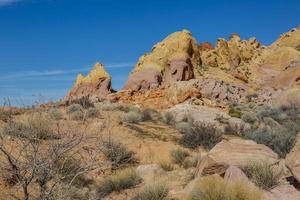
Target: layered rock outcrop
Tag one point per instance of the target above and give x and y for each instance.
(96, 85)
(176, 58)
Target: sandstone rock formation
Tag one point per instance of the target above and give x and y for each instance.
(176, 58)
(234, 152)
(293, 160)
(282, 192)
(96, 85)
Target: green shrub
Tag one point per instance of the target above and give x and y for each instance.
(123, 180)
(74, 108)
(205, 135)
(178, 156)
(77, 115)
(262, 174)
(216, 188)
(132, 117)
(235, 112)
(249, 117)
(117, 153)
(155, 191)
(149, 114)
(55, 114)
(92, 113)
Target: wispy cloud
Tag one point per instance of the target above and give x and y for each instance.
(57, 72)
(8, 2)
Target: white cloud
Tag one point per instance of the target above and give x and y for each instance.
(56, 72)
(8, 2)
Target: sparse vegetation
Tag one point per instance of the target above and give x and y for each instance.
(166, 165)
(190, 162)
(84, 102)
(55, 114)
(168, 118)
(216, 188)
(149, 114)
(155, 191)
(277, 128)
(92, 112)
(235, 112)
(132, 117)
(117, 153)
(205, 135)
(77, 115)
(178, 156)
(262, 174)
(123, 180)
(74, 108)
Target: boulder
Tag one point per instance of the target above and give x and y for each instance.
(282, 192)
(96, 85)
(234, 152)
(149, 172)
(293, 160)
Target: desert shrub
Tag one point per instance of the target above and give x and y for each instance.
(190, 162)
(249, 117)
(108, 106)
(117, 153)
(205, 135)
(178, 156)
(92, 112)
(262, 174)
(132, 117)
(36, 126)
(149, 114)
(123, 180)
(55, 114)
(168, 118)
(77, 115)
(154, 191)
(184, 127)
(235, 112)
(167, 166)
(216, 188)
(84, 102)
(279, 139)
(74, 108)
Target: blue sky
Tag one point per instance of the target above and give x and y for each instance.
(45, 43)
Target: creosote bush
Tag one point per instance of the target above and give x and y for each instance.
(178, 156)
(262, 174)
(216, 188)
(125, 179)
(154, 191)
(205, 135)
(117, 153)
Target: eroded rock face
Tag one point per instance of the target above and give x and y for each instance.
(176, 58)
(96, 85)
(282, 192)
(144, 80)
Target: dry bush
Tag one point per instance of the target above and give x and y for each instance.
(190, 162)
(74, 108)
(216, 188)
(167, 166)
(84, 102)
(150, 114)
(92, 112)
(108, 106)
(117, 153)
(123, 180)
(153, 191)
(201, 135)
(262, 174)
(178, 156)
(77, 115)
(168, 118)
(55, 114)
(45, 166)
(132, 117)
